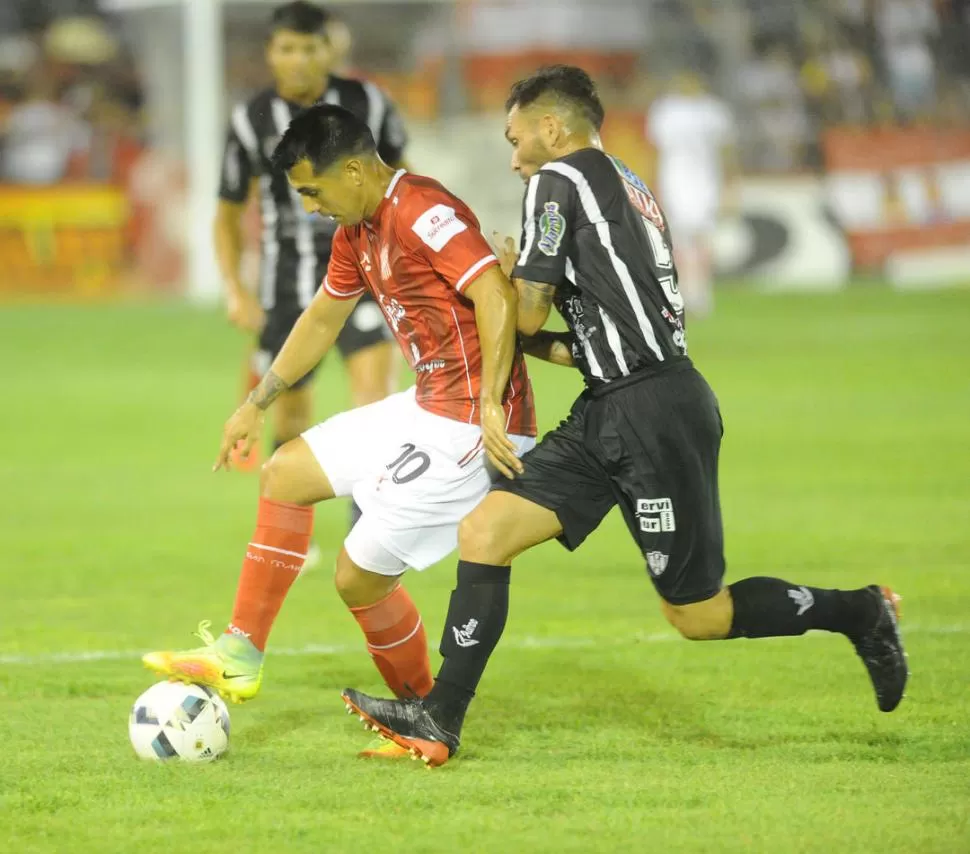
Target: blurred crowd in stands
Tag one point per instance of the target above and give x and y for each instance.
(72, 104)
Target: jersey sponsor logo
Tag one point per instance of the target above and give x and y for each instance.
(639, 194)
(437, 225)
(407, 336)
(365, 262)
(679, 333)
(656, 515)
(552, 227)
(428, 367)
(573, 309)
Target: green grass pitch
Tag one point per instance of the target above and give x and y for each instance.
(846, 460)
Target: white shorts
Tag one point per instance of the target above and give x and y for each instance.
(414, 475)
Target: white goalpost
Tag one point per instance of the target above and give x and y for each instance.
(180, 47)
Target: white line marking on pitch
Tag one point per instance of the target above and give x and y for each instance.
(522, 643)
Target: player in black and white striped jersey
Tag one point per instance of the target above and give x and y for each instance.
(645, 435)
(295, 246)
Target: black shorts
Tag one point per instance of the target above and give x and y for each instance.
(364, 328)
(649, 444)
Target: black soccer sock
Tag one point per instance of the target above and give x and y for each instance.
(476, 618)
(770, 607)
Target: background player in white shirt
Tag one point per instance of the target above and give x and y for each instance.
(693, 132)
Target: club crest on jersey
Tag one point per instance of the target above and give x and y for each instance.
(552, 227)
(657, 563)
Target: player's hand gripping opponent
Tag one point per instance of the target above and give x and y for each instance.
(498, 445)
(245, 426)
(506, 252)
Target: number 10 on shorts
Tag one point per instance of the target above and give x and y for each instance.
(656, 515)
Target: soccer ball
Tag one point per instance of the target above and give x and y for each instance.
(175, 721)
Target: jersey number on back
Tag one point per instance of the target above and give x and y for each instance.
(652, 220)
(649, 212)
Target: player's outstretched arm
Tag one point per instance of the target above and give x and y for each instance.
(535, 301)
(242, 307)
(555, 347)
(495, 313)
(312, 336)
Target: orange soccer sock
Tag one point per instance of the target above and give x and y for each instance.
(397, 643)
(273, 562)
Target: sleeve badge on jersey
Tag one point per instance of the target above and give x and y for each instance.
(437, 225)
(552, 226)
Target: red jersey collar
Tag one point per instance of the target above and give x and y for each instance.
(387, 195)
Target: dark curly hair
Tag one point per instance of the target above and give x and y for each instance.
(564, 84)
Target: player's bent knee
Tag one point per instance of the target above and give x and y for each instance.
(293, 414)
(479, 541)
(272, 477)
(358, 587)
(706, 620)
(293, 475)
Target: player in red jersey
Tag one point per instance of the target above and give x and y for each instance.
(416, 462)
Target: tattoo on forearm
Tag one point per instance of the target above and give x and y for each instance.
(535, 296)
(270, 388)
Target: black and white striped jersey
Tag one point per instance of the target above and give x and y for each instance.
(592, 228)
(295, 246)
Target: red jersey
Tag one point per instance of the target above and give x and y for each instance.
(420, 249)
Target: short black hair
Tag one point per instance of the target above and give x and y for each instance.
(565, 84)
(300, 17)
(322, 134)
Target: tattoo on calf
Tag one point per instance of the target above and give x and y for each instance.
(270, 387)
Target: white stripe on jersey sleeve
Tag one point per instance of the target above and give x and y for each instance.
(244, 130)
(471, 271)
(593, 213)
(340, 294)
(376, 109)
(530, 220)
(306, 271)
(271, 247)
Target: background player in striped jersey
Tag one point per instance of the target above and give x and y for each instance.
(294, 246)
(416, 462)
(645, 435)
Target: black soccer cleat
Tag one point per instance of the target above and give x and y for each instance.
(881, 650)
(405, 722)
